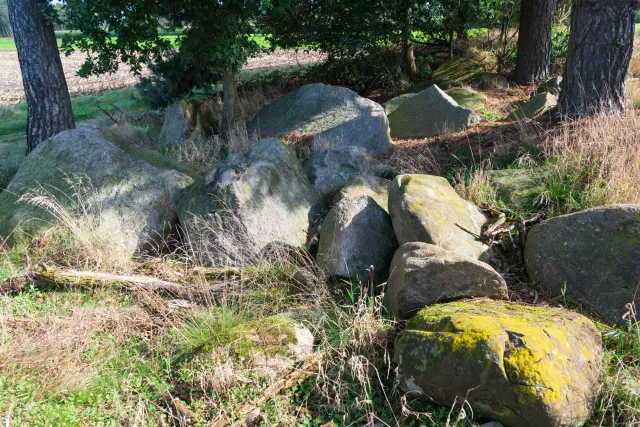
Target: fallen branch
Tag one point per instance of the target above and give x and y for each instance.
(48, 276)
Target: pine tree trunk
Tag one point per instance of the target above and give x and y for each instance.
(45, 87)
(600, 48)
(231, 107)
(534, 41)
(408, 58)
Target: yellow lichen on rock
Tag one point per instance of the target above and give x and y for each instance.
(521, 365)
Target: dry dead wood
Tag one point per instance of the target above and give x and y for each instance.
(45, 276)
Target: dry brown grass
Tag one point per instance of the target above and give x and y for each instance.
(604, 151)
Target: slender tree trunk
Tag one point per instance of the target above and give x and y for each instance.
(48, 102)
(408, 58)
(534, 41)
(600, 47)
(231, 107)
(452, 35)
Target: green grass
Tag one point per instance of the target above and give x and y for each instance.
(14, 119)
(9, 43)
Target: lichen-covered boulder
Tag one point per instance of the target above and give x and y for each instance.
(486, 80)
(357, 234)
(336, 116)
(127, 198)
(467, 98)
(442, 84)
(262, 198)
(590, 256)
(391, 105)
(462, 69)
(536, 106)
(428, 113)
(424, 274)
(551, 85)
(519, 188)
(522, 366)
(175, 127)
(372, 186)
(427, 209)
(330, 169)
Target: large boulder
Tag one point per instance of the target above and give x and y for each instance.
(11, 156)
(175, 127)
(551, 85)
(372, 186)
(426, 208)
(442, 84)
(467, 98)
(428, 113)
(462, 69)
(262, 198)
(424, 274)
(522, 366)
(391, 105)
(590, 256)
(357, 234)
(336, 116)
(536, 106)
(330, 169)
(127, 197)
(486, 80)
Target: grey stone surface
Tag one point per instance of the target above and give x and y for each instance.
(551, 85)
(372, 186)
(175, 127)
(336, 116)
(592, 254)
(427, 209)
(428, 113)
(424, 274)
(357, 234)
(536, 106)
(265, 196)
(127, 199)
(330, 169)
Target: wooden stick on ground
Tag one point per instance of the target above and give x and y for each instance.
(49, 276)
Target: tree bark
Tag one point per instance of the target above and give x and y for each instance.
(231, 107)
(600, 48)
(408, 58)
(534, 41)
(48, 102)
(452, 35)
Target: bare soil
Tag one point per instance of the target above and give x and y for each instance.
(11, 90)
